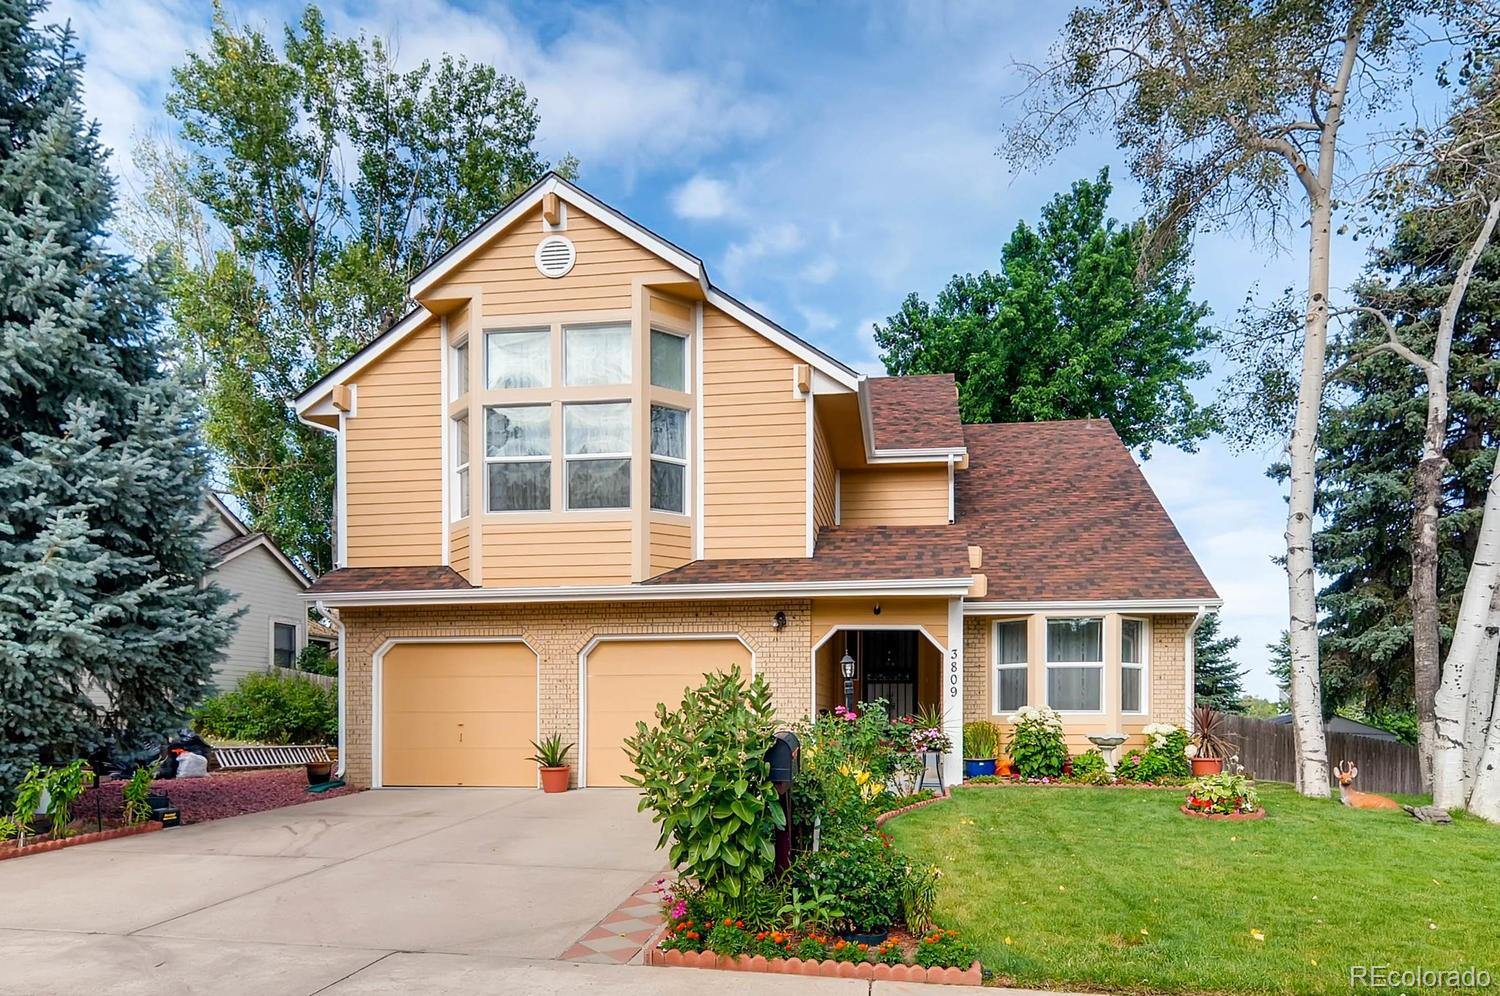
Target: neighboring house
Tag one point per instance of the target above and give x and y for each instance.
(579, 474)
(1342, 724)
(272, 629)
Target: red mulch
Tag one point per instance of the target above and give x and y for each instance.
(221, 794)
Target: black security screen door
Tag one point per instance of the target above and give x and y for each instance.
(890, 670)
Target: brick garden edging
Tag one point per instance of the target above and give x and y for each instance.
(971, 976)
(1259, 814)
(83, 838)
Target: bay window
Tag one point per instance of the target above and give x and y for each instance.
(1133, 665)
(668, 361)
(518, 458)
(596, 444)
(1075, 664)
(459, 362)
(1010, 666)
(518, 359)
(461, 465)
(596, 354)
(668, 459)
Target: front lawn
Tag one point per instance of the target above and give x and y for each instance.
(1115, 889)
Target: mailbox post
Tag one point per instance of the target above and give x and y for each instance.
(784, 757)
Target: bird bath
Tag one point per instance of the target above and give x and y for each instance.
(1107, 743)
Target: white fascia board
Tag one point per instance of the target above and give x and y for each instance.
(1158, 605)
(656, 592)
(227, 514)
(820, 363)
(275, 551)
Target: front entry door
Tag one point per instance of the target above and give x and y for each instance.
(890, 670)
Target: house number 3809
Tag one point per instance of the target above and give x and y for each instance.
(953, 673)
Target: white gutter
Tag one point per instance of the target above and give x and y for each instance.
(1190, 657)
(338, 625)
(1201, 605)
(949, 587)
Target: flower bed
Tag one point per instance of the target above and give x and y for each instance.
(873, 971)
(1257, 814)
(8, 850)
(219, 795)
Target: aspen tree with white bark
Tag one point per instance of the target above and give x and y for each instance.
(1231, 113)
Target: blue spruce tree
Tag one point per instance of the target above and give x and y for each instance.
(105, 623)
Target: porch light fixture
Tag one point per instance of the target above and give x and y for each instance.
(846, 665)
(778, 621)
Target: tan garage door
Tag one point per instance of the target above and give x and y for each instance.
(458, 714)
(627, 678)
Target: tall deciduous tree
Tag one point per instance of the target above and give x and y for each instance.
(1065, 329)
(1217, 676)
(1232, 112)
(101, 471)
(317, 179)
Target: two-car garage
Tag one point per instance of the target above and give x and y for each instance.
(465, 712)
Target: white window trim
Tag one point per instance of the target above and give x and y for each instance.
(687, 381)
(1144, 666)
(299, 639)
(629, 329)
(687, 470)
(567, 458)
(1049, 664)
(484, 370)
(490, 461)
(458, 429)
(996, 667)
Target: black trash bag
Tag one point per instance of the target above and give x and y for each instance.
(120, 758)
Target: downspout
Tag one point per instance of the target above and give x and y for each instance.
(1190, 655)
(338, 625)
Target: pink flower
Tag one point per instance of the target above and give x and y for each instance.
(679, 910)
(839, 710)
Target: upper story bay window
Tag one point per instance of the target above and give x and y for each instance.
(1133, 665)
(596, 354)
(1075, 664)
(668, 360)
(515, 359)
(460, 428)
(668, 459)
(596, 444)
(518, 458)
(1010, 666)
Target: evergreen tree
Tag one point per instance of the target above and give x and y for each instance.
(101, 469)
(1216, 675)
(1067, 329)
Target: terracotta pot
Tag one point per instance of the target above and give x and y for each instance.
(1207, 766)
(318, 772)
(555, 779)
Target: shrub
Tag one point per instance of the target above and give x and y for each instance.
(1088, 766)
(865, 875)
(1036, 744)
(1172, 745)
(315, 659)
(945, 949)
(847, 763)
(981, 740)
(270, 710)
(702, 771)
(136, 808)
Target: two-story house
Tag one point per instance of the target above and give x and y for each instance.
(578, 475)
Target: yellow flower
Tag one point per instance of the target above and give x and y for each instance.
(1008, 941)
(1145, 932)
(1257, 934)
(862, 777)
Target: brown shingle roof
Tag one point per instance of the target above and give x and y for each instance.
(848, 553)
(224, 549)
(351, 579)
(1062, 512)
(915, 413)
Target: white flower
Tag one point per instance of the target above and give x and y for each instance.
(1191, 750)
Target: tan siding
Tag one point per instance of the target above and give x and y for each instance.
(458, 323)
(601, 279)
(458, 548)
(894, 497)
(670, 310)
(393, 458)
(556, 552)
(671, 545)
(929, 613)
(823, 477)
(755, 445)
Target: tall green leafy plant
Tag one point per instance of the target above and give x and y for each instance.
(136, 794)
(702, 772)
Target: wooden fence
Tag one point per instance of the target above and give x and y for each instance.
(1267, 752)
(292, 674)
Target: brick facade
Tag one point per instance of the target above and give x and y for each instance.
(558, 632)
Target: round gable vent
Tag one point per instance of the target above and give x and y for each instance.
(555, 256)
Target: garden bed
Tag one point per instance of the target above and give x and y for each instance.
(971, 976)
(217, 796)
(46, 842)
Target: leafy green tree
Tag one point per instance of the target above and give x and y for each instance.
(316, 180)
(1217, 676)
(101, 468)
(1067, 329)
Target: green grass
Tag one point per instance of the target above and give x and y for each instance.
(1116, 889)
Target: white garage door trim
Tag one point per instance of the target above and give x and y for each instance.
(583, 679)
(377, 693)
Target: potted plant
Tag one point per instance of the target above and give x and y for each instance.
(552, 757)
(981, 743)
(1210, 745)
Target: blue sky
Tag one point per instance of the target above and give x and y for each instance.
(824, 158)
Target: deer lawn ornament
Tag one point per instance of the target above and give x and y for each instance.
(1359, 800)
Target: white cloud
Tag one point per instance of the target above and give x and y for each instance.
(702, 198)
(816, 321)
(820, 270)
(769, 240)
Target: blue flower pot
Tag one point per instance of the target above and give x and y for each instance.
(974, 767)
